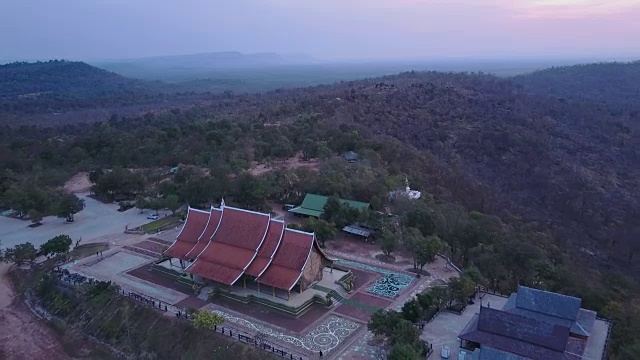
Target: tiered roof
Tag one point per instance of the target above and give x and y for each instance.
(289, 261)
(205, 237)
(188, 237)
(233, 246)
(234, 241)
(268, 248)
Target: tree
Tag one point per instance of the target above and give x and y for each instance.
(423, 250)
(141, 203)
(155, 205)
(35, 216)
(331, 208)
(95, 175)
(67, 206)
(172, 202)
(324, 230)
(402, 352)
(460, 289)
(421, 219)
(387, 242)
(382, 322)
(21, 253)
(412, 311)
(203, 319)
(58, 245)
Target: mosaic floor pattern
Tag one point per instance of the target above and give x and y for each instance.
(324, 337)
(390, 285)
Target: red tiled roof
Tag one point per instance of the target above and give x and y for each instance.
(242, 228)
(233, 246)
(287, 265)
(203, 240)
(194, 225)
(268, 248)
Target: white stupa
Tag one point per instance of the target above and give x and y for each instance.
(407, 193)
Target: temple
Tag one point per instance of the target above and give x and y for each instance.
(238, 250)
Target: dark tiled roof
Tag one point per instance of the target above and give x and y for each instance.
(289, 260)
(268, 248)
(517, 334)
(203, 240)
(194, 225)
(489, 353)
(545, 302)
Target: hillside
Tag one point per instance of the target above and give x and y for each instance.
(556, 179)
(613, 84)
(36, 92)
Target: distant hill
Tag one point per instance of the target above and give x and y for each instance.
(76, 91)
(70, 78)
(198, 66)
(616, 84)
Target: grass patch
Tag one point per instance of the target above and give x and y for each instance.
(82, 251)
(165, 222)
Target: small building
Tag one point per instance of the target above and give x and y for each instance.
(357, 231)
(350, 156)
(313, 205)
(534, 324)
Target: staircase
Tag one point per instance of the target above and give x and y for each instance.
(339, 295)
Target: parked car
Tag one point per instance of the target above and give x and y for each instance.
(153, 216)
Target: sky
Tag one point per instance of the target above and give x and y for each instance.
(324, 29)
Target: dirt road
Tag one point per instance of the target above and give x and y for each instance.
(22, 335)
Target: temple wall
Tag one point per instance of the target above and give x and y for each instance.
(313, 270)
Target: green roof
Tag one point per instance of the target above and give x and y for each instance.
(302, 211)
(313, 205)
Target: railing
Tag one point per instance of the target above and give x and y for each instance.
(608, 339)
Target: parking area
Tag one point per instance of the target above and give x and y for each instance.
(446, 326)
(94, 221)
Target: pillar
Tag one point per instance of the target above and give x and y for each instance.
(244, 282)
(171, 261)
(273, 289)
(258, 286)
(300, 287)
(288, 295)
(331, 271)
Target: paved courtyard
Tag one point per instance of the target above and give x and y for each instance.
(446, 326)
(94, 221)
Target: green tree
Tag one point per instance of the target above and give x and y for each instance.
(422, 220)
(423, 250)
(58, 245)
(324, 230)
(172, 202)
(203, 319)
(35, 216)
(460, 289)
(412, 311)
(67, 206)
(155, 204)
(141, 203)
(382, 322)
(21, 253)
(402, 352)
(387, 241)
(331, 208)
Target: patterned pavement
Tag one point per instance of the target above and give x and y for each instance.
(390, 285)
(325, 337)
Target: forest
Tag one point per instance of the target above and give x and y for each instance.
(524, 185)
